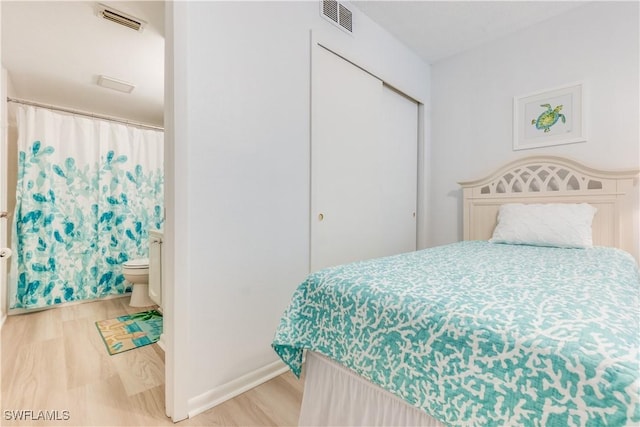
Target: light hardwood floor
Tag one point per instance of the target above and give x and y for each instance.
(55, 360)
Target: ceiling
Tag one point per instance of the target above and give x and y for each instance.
(438, 29)
(54, 51)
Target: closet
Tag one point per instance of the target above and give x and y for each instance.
(364, 144)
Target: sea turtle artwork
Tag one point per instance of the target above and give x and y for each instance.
(548, 117)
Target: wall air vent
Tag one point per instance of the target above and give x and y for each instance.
(124, 19)
(345, 19)
(336, 13)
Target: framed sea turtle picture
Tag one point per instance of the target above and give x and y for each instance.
(550, 117)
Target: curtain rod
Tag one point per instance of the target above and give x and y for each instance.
(83, 113)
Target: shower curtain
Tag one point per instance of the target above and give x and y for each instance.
(88, 192)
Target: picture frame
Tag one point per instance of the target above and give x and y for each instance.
(549, 117)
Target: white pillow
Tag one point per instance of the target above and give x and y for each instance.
(554, 224)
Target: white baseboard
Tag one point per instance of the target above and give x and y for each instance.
(161, 342)
(220, 394)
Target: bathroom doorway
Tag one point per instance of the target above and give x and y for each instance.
(77, 56)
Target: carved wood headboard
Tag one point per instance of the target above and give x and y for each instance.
(550, 179)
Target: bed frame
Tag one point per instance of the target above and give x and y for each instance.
(549, 179)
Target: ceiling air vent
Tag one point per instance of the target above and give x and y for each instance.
(337, 14)
(124, 19)
(115, 84)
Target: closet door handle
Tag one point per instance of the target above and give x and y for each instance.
(4, 214)
(5, 253)
(320, 216)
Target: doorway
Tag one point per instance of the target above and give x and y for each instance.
(73, 62)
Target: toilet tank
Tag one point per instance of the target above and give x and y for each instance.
(155, 266)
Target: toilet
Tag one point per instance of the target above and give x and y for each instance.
(136, 272)
(145, 274)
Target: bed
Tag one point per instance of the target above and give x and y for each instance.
(516, 325)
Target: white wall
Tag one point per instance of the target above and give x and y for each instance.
(4, 232)
(241, 175)
(472, 95)
(8, 180)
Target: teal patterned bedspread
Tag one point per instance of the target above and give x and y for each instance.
(475, 333)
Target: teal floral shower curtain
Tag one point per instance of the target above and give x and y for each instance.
(88, 192)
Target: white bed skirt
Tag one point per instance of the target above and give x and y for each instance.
(335, 396)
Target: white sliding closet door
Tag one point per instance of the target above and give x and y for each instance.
(363, 165)
(399, 188)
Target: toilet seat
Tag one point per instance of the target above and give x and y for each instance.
(136, 264)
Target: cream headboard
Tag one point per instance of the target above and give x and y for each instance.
(549, 179)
